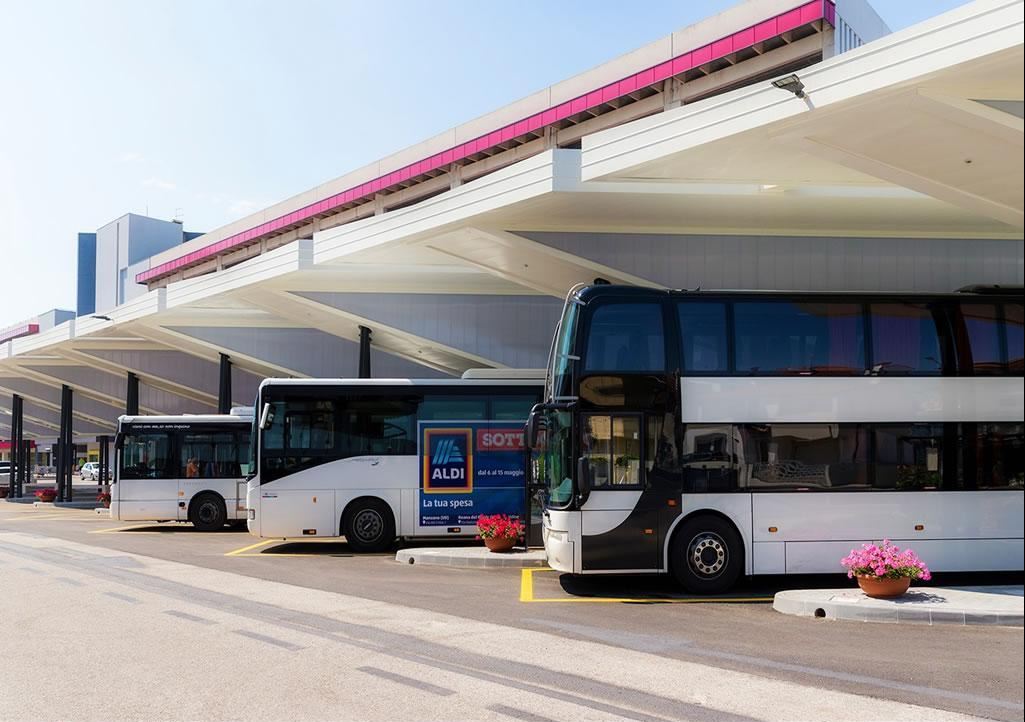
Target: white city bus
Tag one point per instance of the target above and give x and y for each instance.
(182, 468)
(714, 434)
(377, 459)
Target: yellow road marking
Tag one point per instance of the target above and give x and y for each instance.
(257, 545)
(527, 595)
(247, 550)
(125, 528)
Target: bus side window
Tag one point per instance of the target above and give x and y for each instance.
(1014, 327)
(146, 456)
(708, 459)
(454, 408)
(612, 446)
(626, 337)
(703, 331)
(512, 408)
(905, 339)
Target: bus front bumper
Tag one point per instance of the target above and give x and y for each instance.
(557, 533)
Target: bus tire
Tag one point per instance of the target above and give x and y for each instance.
(207, 512)
(368, 525)
(706, 555)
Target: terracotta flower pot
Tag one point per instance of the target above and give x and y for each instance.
(883, 588)
(504, 544)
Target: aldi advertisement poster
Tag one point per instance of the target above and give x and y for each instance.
(468, 469)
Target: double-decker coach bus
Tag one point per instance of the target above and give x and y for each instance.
(377, 459)
(713, 434)
(182, 468)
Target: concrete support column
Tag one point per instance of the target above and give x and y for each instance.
(132, 395)
(224, 386)
(66, 455)
(15, 480)
(364, 352)
(104, 477)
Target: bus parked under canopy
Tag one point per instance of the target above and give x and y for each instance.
(713, 434)
(376, 459)
(182, 468)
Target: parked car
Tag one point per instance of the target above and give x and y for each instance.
(90, 471)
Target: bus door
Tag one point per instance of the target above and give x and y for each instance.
(147, 487)
(620, 514)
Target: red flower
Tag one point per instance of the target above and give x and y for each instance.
(499, 526)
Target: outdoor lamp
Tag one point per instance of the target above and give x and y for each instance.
(792, 83)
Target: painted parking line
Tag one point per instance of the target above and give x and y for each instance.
(243, 550)
(126, 528)
(527, 596)
(251, 550)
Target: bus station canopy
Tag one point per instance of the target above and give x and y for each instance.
(917, 135)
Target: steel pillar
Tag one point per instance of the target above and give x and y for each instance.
(67, 446)
(17, 446)
(132, 395)
(364, 352)
(224, 386)
(104, 478)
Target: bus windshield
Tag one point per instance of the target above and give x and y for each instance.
(560, 368)
(555, 457)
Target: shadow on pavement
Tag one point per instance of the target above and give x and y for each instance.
(652, 588)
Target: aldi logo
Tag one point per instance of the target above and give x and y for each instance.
(448, 463)
(447, 452)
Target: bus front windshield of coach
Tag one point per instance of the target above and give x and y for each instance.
(554, 460)
(559, 379)
(553, 452)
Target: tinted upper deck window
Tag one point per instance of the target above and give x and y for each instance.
(793, 337)
(905, 339)
(626, 337)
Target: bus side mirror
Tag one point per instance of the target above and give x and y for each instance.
(266, 416)
(583, 477)
(533, 425)
(119, 442)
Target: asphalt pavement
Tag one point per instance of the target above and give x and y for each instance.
(160, 621)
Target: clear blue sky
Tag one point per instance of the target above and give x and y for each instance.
(222, 108)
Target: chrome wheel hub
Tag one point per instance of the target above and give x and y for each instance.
(707, 554)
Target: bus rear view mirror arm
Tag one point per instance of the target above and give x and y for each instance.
(534, 423)
(266, 417)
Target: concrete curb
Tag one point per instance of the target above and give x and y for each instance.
(472, 557)
(64, 504)
(993, 606)
(52, 504)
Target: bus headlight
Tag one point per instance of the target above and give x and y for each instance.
(252, 514)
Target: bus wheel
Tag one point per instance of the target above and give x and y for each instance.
(207, 512)
(706, 555)
(368, 525)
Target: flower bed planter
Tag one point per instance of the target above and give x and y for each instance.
(46, 495)
(884, 572)
(499, 532)
(883, 588)
(500, 545)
